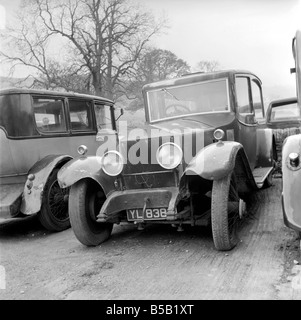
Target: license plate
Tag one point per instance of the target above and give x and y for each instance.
(150, 214)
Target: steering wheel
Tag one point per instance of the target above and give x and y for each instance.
(176, 108)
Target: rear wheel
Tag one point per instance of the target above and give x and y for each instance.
(85, 201)
(54, 211)
(226, 208)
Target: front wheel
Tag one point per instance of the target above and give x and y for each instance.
(225, 213)
(85, 201)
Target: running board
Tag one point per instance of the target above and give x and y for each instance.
(260, 174)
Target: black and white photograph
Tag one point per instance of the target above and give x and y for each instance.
(150, 152)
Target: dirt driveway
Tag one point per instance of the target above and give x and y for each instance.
(156, 263)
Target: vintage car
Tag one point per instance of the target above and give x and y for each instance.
(291, 157)
(283, 116)
(201, 157)
(39, 132)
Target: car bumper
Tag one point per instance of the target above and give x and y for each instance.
(139, 199)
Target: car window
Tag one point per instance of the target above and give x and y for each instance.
(80, 115)
(19, 108)
(286, 112)
(257, 101)
(49, 115)
(103, 116)
(243, 95)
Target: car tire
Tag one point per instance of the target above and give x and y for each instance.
(54, 214)
(225, 213)
(85, 201)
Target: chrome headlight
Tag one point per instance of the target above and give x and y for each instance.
(112, 163)
(169, 155)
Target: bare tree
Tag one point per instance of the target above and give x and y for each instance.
(208, 66)
(104, 40)
(154, 65)
(26, 45)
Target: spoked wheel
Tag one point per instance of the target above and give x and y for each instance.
(54, 211)
(226, 211)
(85, 201)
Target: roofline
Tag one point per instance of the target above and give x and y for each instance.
(15, 90)
(198, 76)
(290, 99)
(282, 101)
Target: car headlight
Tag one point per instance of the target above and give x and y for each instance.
(112, 163)
(169, 155)
(293, 161)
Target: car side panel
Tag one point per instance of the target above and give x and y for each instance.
(291, 199)
(27, 152)
(266, 147)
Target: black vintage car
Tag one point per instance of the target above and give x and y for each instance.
(203, 152)
(283, 116)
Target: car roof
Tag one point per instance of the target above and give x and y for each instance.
(52, 93)
(283, 101)
(197, 77)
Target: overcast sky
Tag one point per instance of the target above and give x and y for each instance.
(255, 35)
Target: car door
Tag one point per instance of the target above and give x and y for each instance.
(91, 124)
(107, 137)
(82, 125)
(246, 120)
(47, 132)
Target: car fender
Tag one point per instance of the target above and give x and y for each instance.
(217, 160)
(214, 161)
(291, 184)
(266, 147)
(82, 168)
(36, 180)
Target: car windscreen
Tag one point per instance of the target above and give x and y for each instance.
(195, 98)
(286, 112)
